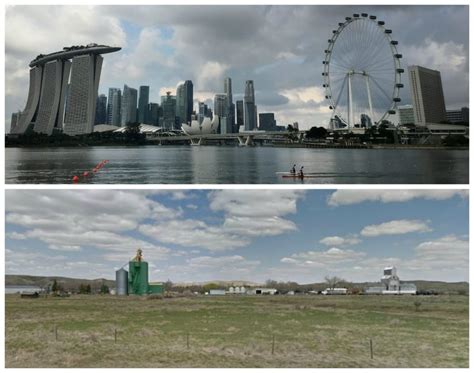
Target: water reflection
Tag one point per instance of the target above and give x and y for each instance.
(235, 165)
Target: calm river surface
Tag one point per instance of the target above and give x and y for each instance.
(234, 165)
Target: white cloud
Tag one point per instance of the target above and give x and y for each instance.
(340, 241)
(395, 227)
(255, 203)
(193, 233)
(324, 259)
(16, 236)
(211, 72)
(350, 197)
(247, 214)
(70, 220)
(258, 226)
(444, 56)
(283, 48)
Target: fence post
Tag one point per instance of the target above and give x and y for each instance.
(371, 349)
(56, 332)
(273, 344)
(115, 335)
(187, 340)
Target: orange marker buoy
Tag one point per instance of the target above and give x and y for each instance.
(75, 179)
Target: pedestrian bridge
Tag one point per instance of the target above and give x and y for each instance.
(246, 138)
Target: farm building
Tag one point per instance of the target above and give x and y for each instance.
(237, 290)
(334, 291)
(135, 280)
(262, 291)
(217, 292)
(391, 284)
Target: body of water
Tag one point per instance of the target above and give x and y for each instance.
(11, 289)
(234, 165)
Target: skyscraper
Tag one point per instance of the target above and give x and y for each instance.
(101, 110)
(427, 95)
(220, 111)
(168, 106)
(71, 75)
(250, 112)
(152, 115)
(203, 112)
(128, 106)
(184, 101)
(229, 104)
(143, 103)
(267, 122)
(240, 114)
(220, 104)
(113, 106)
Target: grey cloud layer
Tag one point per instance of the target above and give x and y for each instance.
(280, 47)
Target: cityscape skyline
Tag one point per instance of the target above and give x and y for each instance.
(253, 235)
(304, 104)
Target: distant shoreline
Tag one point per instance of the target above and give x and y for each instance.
(277, 145)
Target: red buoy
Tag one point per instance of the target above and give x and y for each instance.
(75, 179)
(85, 174)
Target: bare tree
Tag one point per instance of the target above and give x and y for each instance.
(333, 281)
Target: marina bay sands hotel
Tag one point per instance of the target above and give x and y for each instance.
(63, 91)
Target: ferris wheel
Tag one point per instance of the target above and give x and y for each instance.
(362, 72)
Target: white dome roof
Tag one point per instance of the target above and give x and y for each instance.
(205, 128)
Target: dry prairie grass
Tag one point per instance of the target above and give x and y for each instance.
(309, 331)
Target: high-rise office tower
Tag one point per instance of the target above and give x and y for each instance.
(267, 122)
(184, 101)
(427, 95)
(240, 114)
(180, 106)
(101, 110)
(152, 115)
(220, 104)
(128, 106)
(250, 112)
(71, 75)
(202, 112)
(143, 103)
(113, 106)
(229, 104)
(188, 107)
(168, 106)
(220, 111)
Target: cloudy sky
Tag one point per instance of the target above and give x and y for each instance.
(253, 235)
(280, 47)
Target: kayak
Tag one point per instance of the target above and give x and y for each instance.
(299, 177)
(292, 174)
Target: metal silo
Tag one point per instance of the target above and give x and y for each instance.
(121, 281)
(138, 277)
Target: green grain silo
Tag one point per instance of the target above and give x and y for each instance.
(138, 277)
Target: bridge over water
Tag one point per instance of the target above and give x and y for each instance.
(247, 138)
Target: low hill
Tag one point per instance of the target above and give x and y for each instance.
(65, 282)
(73, 284)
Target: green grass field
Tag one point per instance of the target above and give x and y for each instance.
(233, 331)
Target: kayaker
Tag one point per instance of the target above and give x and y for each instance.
(293, 170)
(301, 172)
